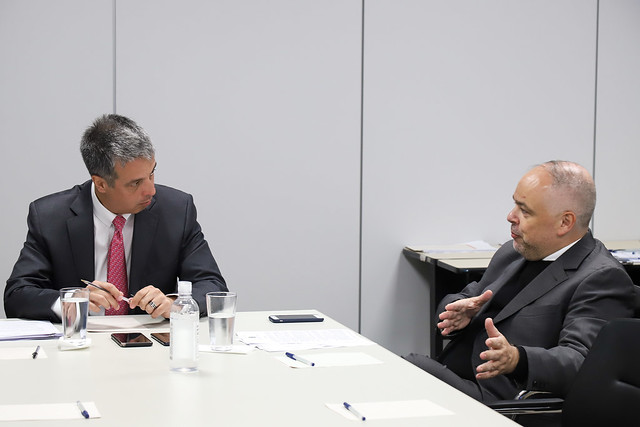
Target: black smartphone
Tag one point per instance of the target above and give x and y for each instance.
(162, 338)
(135, 339)
(295, 318)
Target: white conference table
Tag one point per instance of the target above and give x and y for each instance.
(133, 386)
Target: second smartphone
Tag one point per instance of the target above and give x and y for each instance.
(131, 340)
(162, 338)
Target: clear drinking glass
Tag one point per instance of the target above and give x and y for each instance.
(75, 309)
(221, 309)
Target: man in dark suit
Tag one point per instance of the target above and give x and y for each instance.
(532, 318)
(70, 234)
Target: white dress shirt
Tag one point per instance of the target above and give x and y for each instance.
(103, 230)
(554, 256)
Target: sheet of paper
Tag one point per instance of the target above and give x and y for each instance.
(9, 353)
(47, 411)
(294, 339)
(390, 410)
(18, 329)
(126, 324)
(323, 360)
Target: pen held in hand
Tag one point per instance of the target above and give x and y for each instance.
(354, 411)
(86, 282)
(299, 359)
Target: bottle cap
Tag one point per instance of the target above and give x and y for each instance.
(184, 288)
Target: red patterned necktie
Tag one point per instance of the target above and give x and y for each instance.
(117, 266)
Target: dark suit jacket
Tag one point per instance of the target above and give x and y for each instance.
(556, 317)
(167, 243)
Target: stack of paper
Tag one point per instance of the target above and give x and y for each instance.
(17, 329)
(126, 324)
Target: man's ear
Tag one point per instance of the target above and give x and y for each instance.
(567, 221)
(100, 183)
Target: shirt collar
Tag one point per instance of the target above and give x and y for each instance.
(554, 256)
(103, 214)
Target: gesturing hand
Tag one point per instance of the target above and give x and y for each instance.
(458, 314)
(501, 357)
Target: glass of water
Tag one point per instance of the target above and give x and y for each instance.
(221, 309)
(75, 309)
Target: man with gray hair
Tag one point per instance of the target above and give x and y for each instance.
(119, 230)
(530, 321)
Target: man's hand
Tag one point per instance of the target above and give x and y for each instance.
(99, 299)
(458, 314)
(501, 358)
(153, 301)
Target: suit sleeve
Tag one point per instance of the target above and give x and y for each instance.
(29, 292)
(605, 294)
(471, 290)
(496, 267)
(197, 263)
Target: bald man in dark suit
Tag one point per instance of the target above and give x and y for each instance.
(532, 318)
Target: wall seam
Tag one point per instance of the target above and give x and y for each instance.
(114, 76)
(595, 103)
(361, 170)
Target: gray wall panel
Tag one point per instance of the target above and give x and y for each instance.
(55, 77)
(255, 109)
(618, 124)
(460, 99)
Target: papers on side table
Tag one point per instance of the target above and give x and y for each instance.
(18, 329)
(474, 249)
(627, 256)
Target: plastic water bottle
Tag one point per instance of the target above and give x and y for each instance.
(185, 320)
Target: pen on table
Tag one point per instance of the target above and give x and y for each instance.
(299, 359)
(83, 411)
(86, 282)
(35, 353)
(354, 411)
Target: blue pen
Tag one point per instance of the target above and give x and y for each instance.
(354, 411)
(299, 359)
(83, 411)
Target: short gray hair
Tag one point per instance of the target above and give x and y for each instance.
(110, 139)
(577, 188)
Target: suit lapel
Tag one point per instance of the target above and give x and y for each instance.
(80, 233)
(144, 229)
(510, 271)
(552, 276)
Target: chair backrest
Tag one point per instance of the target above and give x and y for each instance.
(606, 391)
(636, 313)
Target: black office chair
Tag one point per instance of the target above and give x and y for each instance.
(636, 313)
(606, 391)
